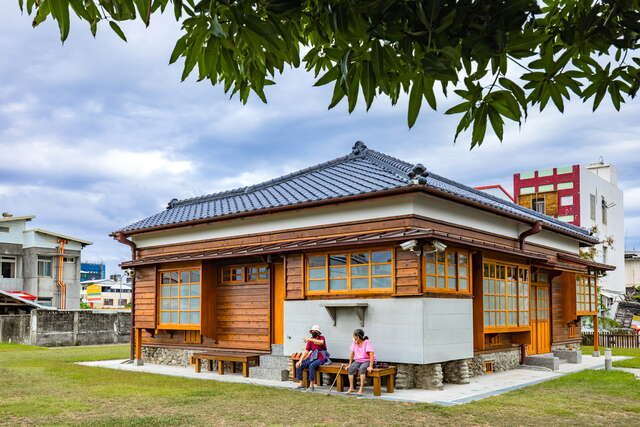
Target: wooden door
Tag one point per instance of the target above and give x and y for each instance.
(540, 318)
(278, 304)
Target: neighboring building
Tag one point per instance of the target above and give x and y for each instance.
(632, 269)
(587, 197)
(441, 276)
(108, 293)
(40, 262)
(497, 191)
(92, 271)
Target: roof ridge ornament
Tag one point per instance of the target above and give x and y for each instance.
(358, 149)
(418, 174)
(172, 203)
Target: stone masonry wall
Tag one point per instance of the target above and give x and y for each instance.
(502, 361)
(567, 346)
(456, 372)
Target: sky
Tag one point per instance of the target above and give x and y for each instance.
(97, 133)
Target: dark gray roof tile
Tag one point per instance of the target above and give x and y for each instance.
(362, 171)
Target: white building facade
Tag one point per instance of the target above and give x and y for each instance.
(40, 262)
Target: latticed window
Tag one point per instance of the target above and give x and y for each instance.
(586, 294)
(447, 271)
(180, 298)
(358, 271)
(246, 273)
(506, 295)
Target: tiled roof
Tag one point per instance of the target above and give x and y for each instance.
(363, 171)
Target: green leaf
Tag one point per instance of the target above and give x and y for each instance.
(60, 12)
(460, 108)
(144, 9)
(415, 101)
(479, 126)
(428, 92)
(338, 94)
(328, 77)
(496, 123)
(178, 49)
(116, 29)
(177, 8)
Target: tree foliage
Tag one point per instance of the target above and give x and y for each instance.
(500, 57)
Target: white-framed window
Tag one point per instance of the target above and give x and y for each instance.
(538, 205)
(45, 264)
(527, 190)
(8, 267)
(565, 185)
(566, 201)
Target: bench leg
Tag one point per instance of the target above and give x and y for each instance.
(305, 378)
(245, 369)
(210, 365)
(318, 379)
(221, 367)
(376, 386)
(340, 383)
(391, 383)
(235, 367)
(198, 365)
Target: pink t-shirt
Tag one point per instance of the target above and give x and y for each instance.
(360, 352)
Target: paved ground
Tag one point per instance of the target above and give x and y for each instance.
(452, 394)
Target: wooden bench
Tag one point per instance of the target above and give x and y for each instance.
(221, 357)
(389, 374)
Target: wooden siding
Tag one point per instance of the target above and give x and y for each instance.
(408, 273)
(565, 326)
(145, 297)
(208, 303)
(294, 267)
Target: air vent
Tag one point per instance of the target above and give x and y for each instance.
(489, 367)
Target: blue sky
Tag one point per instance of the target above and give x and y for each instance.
(97, 133)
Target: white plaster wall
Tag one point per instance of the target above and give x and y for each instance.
(591, 183)
(402, 330)
(15, 232)
(632, 271)
(420, 204)
(448, 329)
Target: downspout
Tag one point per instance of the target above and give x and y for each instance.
(535, 229)
(120, 237)
(60, 282)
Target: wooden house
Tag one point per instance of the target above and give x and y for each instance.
(437, 273)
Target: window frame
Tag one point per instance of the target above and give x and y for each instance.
(591, 291)
(349, 290)
(9, 259)
(425, 275)
(159, 298)
(518, 284)
(226, 268)
(47, 259)
(536, 200)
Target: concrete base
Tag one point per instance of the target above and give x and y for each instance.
(452, 394)
(570, 356)
(548, 361)
(139, 362)
(596, 354)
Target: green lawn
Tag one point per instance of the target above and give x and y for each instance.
(634, 362)
(44, 386)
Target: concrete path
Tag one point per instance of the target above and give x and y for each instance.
(452, 394)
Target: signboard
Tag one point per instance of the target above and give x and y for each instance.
(94, 292)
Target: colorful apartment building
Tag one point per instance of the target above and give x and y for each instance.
(587, 197)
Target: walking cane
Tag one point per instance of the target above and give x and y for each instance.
(335, 379)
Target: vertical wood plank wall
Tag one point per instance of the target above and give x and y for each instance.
(145, 297)
(408, 272)
(294, 265)
(563, 308)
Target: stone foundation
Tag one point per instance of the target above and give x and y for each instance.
(567, 346)
(167, 356)
(502, 361)
(456, 372)
(429, 377)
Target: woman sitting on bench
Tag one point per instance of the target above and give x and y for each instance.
(315, 354)
(361, 360)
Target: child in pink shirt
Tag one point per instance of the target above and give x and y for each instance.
(361, 359)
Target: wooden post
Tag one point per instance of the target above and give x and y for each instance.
(376, 386)
(596, 337)
(138, 343)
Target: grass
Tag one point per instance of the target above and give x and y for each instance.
(42, 386)
(634, 353)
